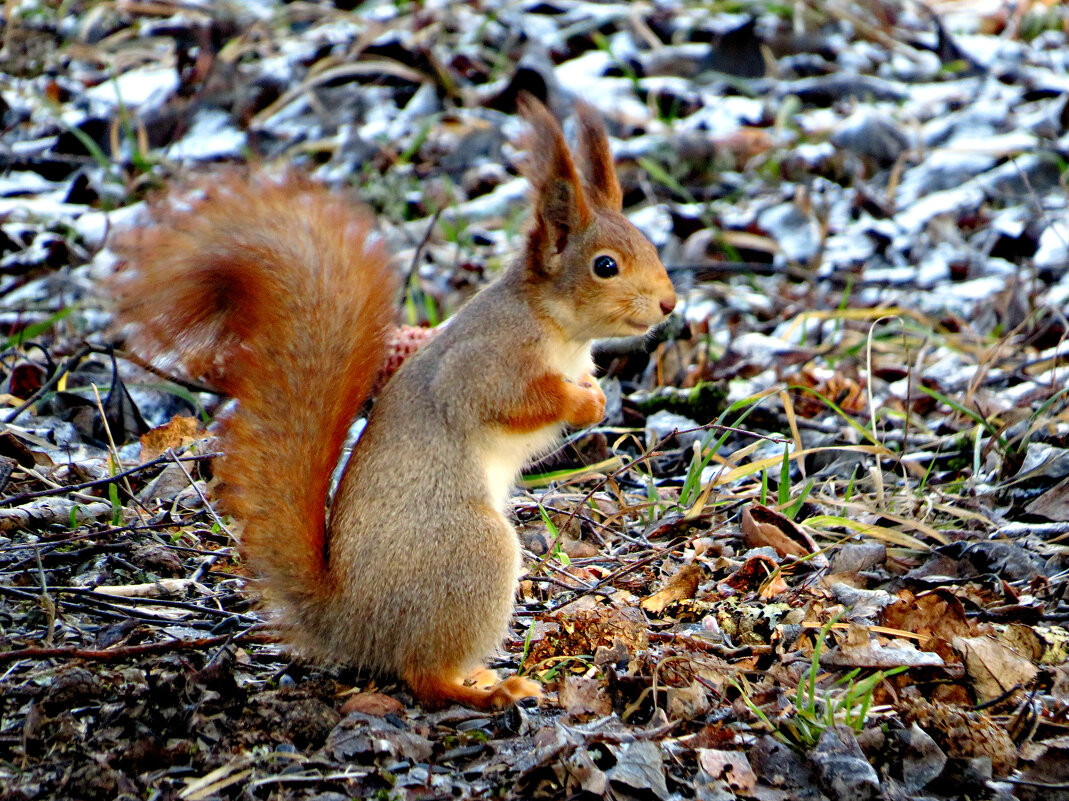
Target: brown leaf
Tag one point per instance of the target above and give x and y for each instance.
(754, 573)
(682, 585)
(580, 628)
(1052, 504)
(963, 734)
(993, 667)
(583, 698)
(179, 431)
(687, 703)
(763, 527)
(937, 614)
(845, 391)
(1044, 645)
(860, 649)
(731, 766)
(374, 704)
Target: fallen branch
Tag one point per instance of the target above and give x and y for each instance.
(113, 654)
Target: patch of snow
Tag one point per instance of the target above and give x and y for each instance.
(723, 116)
(1053, 248)
(934, 204)
(655, 222)
(24, 182)
(211, 136)
(142, 88)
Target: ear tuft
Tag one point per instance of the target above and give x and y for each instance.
(558, 196)
(599, 170)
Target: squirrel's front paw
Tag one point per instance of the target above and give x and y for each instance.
(588, 403)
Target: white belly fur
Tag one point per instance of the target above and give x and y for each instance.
(505, 454)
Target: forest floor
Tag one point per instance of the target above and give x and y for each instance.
(818, 547)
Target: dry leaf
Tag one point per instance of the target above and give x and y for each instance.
(861, 650)
(753, 574)
(846, 392)
(1044, 645)
(763, 527)
(682, 585)
(1052, 504)
(687, 703)
(583, 698)
(731, 766)
(963, 734)
(993, 667)
(179, 431)
(374, 704)
(580, 628)
(937, 614)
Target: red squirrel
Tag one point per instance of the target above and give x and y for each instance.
(273, 291)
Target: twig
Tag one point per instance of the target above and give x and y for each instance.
(414, 266)
(26, 496)
(112, 654)
(148, 367)
(115, 461)
(211, 511)
(50, 384)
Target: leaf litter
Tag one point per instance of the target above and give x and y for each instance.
(816, 549)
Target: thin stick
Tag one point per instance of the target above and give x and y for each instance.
(112, 654)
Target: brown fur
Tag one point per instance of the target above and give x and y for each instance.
(272, 289)
(551, 399)
(599, 170)
(210, 283)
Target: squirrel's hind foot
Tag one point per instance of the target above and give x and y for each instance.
(435, 690)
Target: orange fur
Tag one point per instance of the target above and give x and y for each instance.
(218, 282)
(434, 690)
(549, 399)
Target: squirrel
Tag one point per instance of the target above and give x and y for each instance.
(276, 291)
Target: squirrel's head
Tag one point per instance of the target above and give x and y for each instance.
(597, 275)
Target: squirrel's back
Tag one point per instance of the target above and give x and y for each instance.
(268, 287)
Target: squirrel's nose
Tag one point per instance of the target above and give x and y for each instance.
(667, 304)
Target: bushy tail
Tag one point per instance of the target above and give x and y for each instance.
(270, 289)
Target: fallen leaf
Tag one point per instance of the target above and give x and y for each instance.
(754, 573)
(640, 767)
(374, 704)
(937, 614)
(731, 766)
(763, 527)
(583, 776)
(963, 734)
(1044, 645)
(580, 628)
(584, 698)
(863, 651)
(687, 703)
(179, 431)
(1052, 504)
(842, 767)
(993, 667)
(923, 759)
(682, 585)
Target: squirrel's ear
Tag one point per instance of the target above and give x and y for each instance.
(599, 171)
(560, 204)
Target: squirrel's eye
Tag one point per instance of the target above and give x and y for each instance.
(605, 267)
